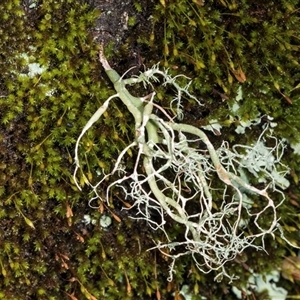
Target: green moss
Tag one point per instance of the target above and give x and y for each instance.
(42, 115)
(225, 44)
(48, 251)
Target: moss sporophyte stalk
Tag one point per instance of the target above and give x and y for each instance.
(175, 177)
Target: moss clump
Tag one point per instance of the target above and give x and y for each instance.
(46, 251)
(226, 44)
(49, 89)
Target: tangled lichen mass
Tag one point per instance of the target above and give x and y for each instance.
(184, 177)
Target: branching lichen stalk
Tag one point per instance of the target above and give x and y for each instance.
(178, 174)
